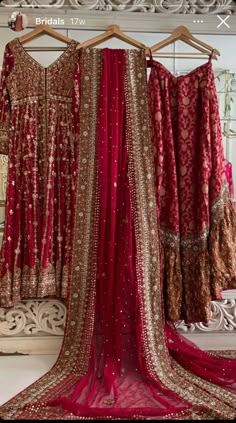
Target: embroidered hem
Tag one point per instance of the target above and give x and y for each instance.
(222, 247)
(34, 283)
(3, 139)
(197, 269)
(173, 286)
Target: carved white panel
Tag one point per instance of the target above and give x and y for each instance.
(3, 176)
(33, 318)
(37, 327)
(223, 319)
(48, 318)
(146, 6)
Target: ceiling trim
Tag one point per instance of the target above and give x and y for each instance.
(128, 21)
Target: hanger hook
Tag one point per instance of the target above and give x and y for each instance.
(212, 54)
(150, 53)
(113, 28)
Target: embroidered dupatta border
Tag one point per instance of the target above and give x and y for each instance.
(202, 395)
(71, 366)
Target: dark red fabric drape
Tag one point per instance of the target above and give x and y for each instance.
(119, 383)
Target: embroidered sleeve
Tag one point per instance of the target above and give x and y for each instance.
(4, 102)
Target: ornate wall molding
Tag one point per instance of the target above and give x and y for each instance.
(223, 319)
(130, 20)
(37, 327)
(145, 6)
(47, 317)
(30, 318)
(3, 178)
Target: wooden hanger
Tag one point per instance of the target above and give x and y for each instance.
(183, 34)
(112, 31)
(44, 29)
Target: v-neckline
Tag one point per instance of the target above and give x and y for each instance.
(46, 68)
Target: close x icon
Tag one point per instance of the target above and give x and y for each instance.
(223, 20)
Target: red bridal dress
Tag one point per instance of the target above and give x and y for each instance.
(37, 132)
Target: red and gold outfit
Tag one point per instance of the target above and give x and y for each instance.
(197, 219)
(119, 359)
(38, 134)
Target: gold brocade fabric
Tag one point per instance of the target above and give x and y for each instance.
(222, 244)
(208, 259)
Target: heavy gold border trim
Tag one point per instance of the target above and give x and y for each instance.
(73, 359)
(202, 395)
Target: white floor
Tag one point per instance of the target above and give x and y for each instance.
(18, 372)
